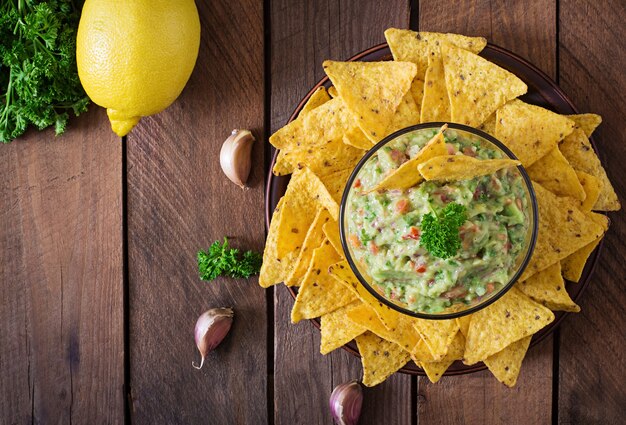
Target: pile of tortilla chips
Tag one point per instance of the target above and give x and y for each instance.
(433, 77)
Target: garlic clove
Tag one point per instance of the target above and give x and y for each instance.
(235, 156)
(345, 403)
(211, 328)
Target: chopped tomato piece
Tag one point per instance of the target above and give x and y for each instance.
(414, 233)
(354, 240)
(373, 247)
(357, 183)
(469, 151)
(490, 287)
(421, 268)
(402, 206)
(397, 156)
(451, 149)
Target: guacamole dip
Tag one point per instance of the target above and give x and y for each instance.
(384, 227)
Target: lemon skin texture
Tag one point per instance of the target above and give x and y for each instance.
(134, 57)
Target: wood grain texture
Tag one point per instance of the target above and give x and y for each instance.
(592, 46)
(179, 201)
(528, 29)
(61, 287)
(304, 33)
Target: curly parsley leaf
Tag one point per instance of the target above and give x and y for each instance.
(221, 260)
(39, 82)
(440, 232)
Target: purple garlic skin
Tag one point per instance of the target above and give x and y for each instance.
(211, 328)
(345, 403)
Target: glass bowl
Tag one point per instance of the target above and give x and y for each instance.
(477, 293)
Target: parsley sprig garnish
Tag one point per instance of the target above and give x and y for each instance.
(440, 231)
(221, 260)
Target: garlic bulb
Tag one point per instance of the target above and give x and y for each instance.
(345, 403)
(211, 328)
(235, 156)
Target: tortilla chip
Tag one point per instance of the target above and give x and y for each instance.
(404, 335)
(574, 264)
(509, 319)
(476, 87)
(435, 103)
(563, 229)
(461, 167)
(342, 272)
(548, 288)
(530, 131)
(437, 335)
(579, 152)
(489, 126)
(435, 370)
(304, 196)
(406, 175)
(411, 46)
(380, 358)
(371, 90)
(313, 239)
(335, 183)
(464, 322)
(421, 353)
(319, 293)
(586, 122)
(417, 91)
(555, 174)
(273, 269)
(332, 91)
(337, 330)
(282, 166)
(506, 364)
(318, 98)
(406, 115)
(591, 185)
(331, 230)
(355, 137)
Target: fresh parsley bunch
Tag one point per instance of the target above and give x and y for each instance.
(39, 82)
(440, 232)
(221, 260)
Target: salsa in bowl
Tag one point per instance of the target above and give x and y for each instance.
(439, 247)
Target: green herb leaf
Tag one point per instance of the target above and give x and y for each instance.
(39, 82)
(440, 232)
(221, 260)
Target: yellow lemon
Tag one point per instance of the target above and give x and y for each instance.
(135, 56)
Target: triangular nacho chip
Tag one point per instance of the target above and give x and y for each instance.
(509, 319)
(435, 103)
(273, 269)
(336, 330)
(555, 174)
(417, 91)
(530, 131)
(489, 126)
(476, 87)
(574, 264)
(591, 185)
(563, 229)
(304, 196)
(371, 90)
(342, 273)
(406, 115)
(313, 239)
(548, 288)
(411, 46)
(435, 370)
(335, 183)
(380, 358)
(506, 364)
(319, 293)
(332, 91)
(579, 152)
(318, 98)
(331, 230)
(586, 122)
(437, 334)
(464, 322)
(406, 175)
(461, 167)
(355, 137)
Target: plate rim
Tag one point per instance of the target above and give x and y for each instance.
(591, 262)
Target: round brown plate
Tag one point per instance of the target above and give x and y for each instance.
(542, 91)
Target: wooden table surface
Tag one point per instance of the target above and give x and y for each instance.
(99, 289)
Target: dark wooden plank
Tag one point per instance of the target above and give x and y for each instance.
(528, 29)
(304, 33)
(179, 201)
(592, 42)
(61, 277)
